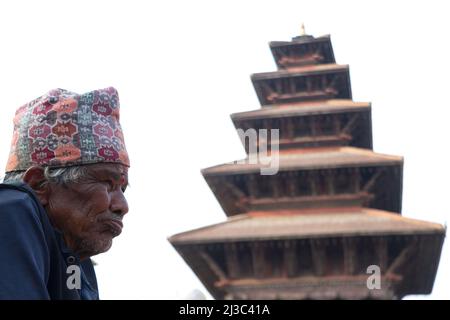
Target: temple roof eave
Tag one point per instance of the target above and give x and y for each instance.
(308, 224)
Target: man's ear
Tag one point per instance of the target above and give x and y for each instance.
(35, 178)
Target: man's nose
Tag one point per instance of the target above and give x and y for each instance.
(119, 204)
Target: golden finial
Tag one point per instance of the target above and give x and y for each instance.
(302, 30)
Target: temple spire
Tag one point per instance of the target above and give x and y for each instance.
(302, 34)
(302, 30)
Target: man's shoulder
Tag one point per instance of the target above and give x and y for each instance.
(14, 193)
(24, 250)
(18, 202)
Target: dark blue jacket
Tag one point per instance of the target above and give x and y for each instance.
(34, 260)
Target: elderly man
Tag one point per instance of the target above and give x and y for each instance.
(62, 200)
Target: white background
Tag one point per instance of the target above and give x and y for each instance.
(182, 67)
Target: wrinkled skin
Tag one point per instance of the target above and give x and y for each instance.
(88, 212)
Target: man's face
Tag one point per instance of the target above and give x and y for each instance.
(89, 212)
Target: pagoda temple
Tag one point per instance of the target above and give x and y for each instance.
(314, 229)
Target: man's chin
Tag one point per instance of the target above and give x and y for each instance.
(98, 246)
(105, 245)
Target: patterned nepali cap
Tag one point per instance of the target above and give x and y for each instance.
(63, 128)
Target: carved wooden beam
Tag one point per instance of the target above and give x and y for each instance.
(369, 184)
(333, 81)
(292, 184)
(324, 81)
(336, 123)
(292, 86)
(215, 268)
(258, 260)
(276, 185)
(233, 189)
(252, 186)
(402, 259)
(278, 86)
(356, 179)
(382, 252)
(232, 260)
(318, 256)
(330, 178)
(349, 255)
(289, 128)
(309, 86)
(350, 124)
(312, 183)
(290, 258)
(313, 126)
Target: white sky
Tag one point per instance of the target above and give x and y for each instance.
(181, 67)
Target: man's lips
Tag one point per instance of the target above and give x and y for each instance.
(115, 226)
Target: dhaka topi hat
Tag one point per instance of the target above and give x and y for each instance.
(62, 128)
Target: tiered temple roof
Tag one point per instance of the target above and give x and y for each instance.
(333, 208)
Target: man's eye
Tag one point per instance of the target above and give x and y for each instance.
(109, 184)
